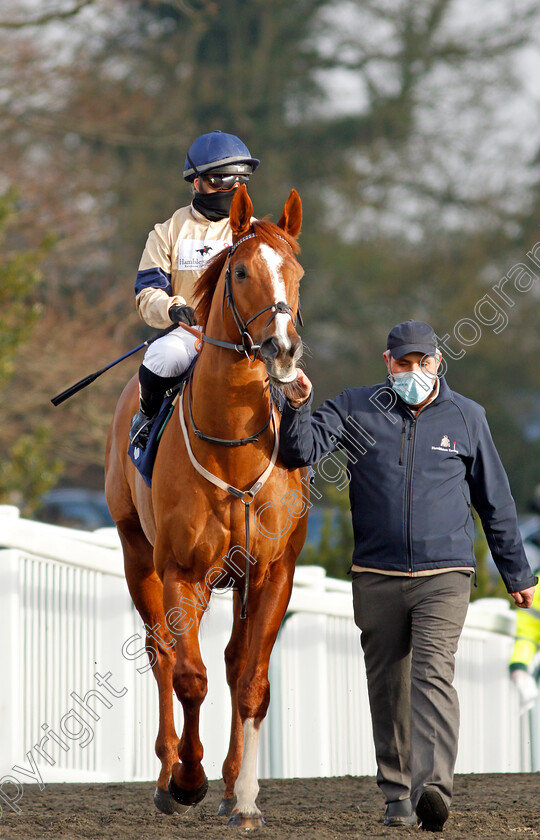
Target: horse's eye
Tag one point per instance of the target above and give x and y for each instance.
(240, 272)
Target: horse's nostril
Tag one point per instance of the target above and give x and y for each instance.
(296, 349)
(269, 348)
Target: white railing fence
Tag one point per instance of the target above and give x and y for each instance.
(78, 701)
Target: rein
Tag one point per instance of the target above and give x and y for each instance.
(222, 441)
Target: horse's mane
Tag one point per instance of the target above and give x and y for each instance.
(207, 282)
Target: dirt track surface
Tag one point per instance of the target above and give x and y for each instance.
(494, 806)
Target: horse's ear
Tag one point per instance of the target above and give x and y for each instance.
(241, 212)
(291, 218)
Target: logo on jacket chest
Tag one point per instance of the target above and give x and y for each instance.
(446, 445)
(194, 253)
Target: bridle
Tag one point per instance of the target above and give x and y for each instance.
(250, 350)
(248, 346)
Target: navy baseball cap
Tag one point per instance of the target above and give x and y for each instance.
(411, 337)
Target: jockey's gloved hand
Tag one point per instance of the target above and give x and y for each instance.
(182, 314)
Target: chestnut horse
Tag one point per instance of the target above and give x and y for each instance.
(179, 538)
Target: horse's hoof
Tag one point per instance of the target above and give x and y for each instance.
(187, 797)
(166, 804)
(247, 821)
(226, 807)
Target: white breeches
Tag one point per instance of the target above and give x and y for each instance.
(171, 354)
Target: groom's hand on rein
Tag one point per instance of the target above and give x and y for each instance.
(302, 389)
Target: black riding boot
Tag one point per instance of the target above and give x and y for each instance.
(151, 392)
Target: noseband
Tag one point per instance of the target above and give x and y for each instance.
(248, 346)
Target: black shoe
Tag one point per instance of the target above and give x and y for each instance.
(432, 810)
(399, 813)
(140, 429)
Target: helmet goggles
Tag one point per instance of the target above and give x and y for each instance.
(224, 182)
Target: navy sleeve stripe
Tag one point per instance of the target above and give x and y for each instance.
(153, 278)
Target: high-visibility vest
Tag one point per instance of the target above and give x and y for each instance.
(527, 634)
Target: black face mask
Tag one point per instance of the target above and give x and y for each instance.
(214, 206)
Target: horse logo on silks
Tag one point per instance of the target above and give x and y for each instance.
(204, 250)
(445, 442)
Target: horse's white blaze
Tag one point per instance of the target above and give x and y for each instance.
(274, 263)
(246, 786)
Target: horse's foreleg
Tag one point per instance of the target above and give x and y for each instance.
(265, 614)
(246, 813)
(184, 605)
(235, 658)
(146, 592)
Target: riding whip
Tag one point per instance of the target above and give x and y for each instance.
(82, 383)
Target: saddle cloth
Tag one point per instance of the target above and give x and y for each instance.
(143, 459)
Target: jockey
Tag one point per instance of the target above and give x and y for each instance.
(175, 256)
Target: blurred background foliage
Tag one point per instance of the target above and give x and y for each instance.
(409, 127)
(28, 466)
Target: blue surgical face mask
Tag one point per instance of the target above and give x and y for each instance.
(413, 386)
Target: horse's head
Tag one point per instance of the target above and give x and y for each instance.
(264, 277)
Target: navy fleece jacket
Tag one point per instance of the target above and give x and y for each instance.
(412, 480)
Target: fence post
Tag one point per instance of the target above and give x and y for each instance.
(304, 685)
(11, 707)
(116, 730)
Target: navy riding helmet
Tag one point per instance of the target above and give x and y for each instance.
(218, 150)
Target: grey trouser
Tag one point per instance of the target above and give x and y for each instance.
(410, 633)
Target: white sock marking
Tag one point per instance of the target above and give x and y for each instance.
(246, 787)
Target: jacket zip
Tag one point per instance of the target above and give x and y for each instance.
(408, 495)
(402, 445)
(471, 515)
